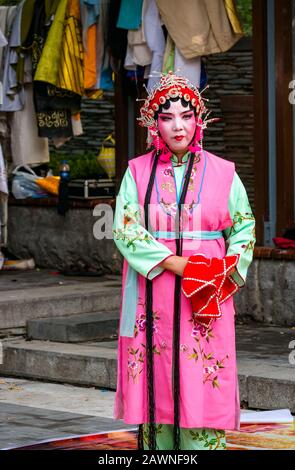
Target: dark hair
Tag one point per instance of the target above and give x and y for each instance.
(166, 105)
(151, 425)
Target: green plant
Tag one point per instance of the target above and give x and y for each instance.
(7, 3)
(244, 9)
(82, 165)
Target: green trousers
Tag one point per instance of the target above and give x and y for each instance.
(190, 438)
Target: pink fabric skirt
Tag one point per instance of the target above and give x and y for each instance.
(209, 391)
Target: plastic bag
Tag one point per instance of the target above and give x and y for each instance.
(24, 185)
(50, 184)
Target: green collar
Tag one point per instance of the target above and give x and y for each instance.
(174, 158)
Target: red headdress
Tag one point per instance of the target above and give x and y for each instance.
(173, 86)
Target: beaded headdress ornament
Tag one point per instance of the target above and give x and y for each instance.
(173, 86)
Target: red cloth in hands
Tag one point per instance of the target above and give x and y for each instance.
(207, 283)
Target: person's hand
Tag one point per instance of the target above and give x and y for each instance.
(231, 271)
(176, 264)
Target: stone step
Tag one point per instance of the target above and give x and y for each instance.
(264, 382)
(20, 305)
(80, 364)
(101, 326)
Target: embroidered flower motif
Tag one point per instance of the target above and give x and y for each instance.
(140, 322)
(239, 219)
(211, 366)
(211, 439)
(163, 345)
(158, 430)
(213, 369)
(131, 216)
(168, 172)
(132, 237)
(135, 363)
(132, 365)
(167, 187)
(167, 184)
(131, 213)
(201, 331)
(140, 328)
(195, 333)
(154, 349)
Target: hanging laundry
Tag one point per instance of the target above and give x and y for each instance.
(61, 61)
(52, 105)
(90, 11)
(169, 55)
(130, 14)
(3, 42)
(155, 39)
(77, 124)
(77, 130)
(103, 69)
(7, 16)
(204, 75)
(26, 147)
(13, 93)
(3, 175)
(90, 57)
(48, 66)
(233, 16)
(71, 76)
(3, 203)
(198, 27)
(189, 68)
(3, 126)
(3, 213)
(174, 61)
(138, 52)
(138, 75)
(117, 37)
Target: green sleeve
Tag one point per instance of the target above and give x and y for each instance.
(240, 237)
(142, 251)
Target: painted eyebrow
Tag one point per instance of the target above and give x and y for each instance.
(171, 114)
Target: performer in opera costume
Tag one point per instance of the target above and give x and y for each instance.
(186, 231)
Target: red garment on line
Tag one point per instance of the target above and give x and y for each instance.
(207, 283)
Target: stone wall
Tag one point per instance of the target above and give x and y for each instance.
(230, 76)
(68, 243)
(60, 242)
(268, 296)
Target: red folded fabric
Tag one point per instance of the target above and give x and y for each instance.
(206, 281)
(282, 242)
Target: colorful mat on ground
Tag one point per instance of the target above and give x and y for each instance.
(250, 437)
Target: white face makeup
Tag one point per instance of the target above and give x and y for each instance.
(177, 126)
